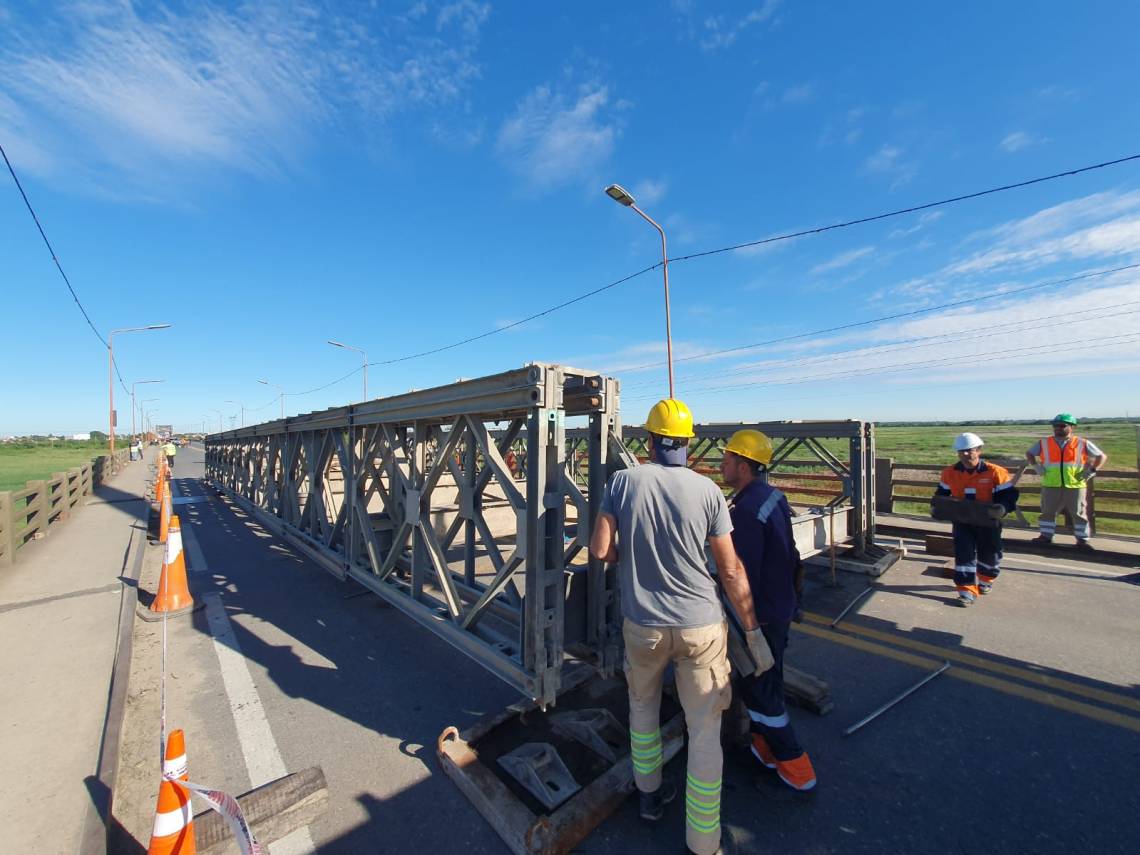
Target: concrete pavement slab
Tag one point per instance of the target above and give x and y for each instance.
(59, 616)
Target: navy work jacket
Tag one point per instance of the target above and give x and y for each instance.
(762, 535)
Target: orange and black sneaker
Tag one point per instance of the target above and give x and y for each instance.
(762, 752)
(798, 773)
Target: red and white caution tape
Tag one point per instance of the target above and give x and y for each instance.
(227, 806)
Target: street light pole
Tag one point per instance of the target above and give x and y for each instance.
(142, 406)
(111, 374)
(364, 357)
(280, 395)
(240, 404)
(219, 412)
(136, 383)
(620, 195)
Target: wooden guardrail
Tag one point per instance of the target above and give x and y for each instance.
(27, 514)
(917, 476)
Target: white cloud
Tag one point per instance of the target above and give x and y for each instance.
(144, 97)
(1024, 336)
(799, 94)
(1118, 237)
(846, 129)
(650, 192)
(1102, 225)
(721, 31)
(765, 248)
(844, 259)
(1019, 140)
(889, 160)
(553, 140)
(923, 221)
(467, 15)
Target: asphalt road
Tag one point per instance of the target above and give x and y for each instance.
(1028, 743)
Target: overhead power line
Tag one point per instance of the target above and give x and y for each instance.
(913, 209)
(775, 239)
(908, 344)
(901, 367)
(896, 316)
(54, 257)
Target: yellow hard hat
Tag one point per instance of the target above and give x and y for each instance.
(670, 417)
(751, 444)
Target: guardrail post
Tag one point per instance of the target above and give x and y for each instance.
(884, 485)
(40, 508)
(64, 507)
(7, 530)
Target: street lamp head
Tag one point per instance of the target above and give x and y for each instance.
(158, 327)
(619, 194)
(337, 344)
(266, 382)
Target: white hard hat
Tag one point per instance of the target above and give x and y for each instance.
(966, 441)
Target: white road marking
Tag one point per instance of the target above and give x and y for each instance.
(262, 758)
(197, 559)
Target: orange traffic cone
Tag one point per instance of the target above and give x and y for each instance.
(173, 832)
(159, 485)
(164, 517)
(173, 591)
(174, 764)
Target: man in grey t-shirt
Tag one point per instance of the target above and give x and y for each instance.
(654, 523)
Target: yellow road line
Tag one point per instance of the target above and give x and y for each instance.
(990, 682)
(1014, 671)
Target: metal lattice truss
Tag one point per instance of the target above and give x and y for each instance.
(853, 469)
(422, 499)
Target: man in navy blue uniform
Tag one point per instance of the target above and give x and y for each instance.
(762, 535)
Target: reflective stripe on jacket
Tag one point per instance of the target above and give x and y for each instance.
(988, 483)
(1063, 465)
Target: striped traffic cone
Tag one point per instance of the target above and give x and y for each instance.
(175, 764)
(173, 590)
(173, 832)
(164, 516)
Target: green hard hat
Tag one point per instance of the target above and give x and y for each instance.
(1067, 418)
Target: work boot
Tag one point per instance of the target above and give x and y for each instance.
(985, 587)
(798, 774)
(1041, 540)
(966, 598)
(1085, 546)
(762, 752)
(653, 804)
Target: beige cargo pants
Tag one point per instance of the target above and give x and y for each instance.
(700, 655)
(1070, 500)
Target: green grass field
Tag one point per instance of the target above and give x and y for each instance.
(20, 464)
(930, 444)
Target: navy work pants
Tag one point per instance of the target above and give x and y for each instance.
(764, 698)
(977, 554)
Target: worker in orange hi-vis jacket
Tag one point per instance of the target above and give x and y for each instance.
(977, 548)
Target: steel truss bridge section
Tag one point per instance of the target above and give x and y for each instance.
(411, 497)
(845, 449)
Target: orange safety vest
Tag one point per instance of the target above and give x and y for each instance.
(1063, 465)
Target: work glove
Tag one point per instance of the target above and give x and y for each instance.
(1087, 473)
(997, 511)
(761, 652)
(1039, 468)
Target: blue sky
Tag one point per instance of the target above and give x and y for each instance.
(399, 176)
